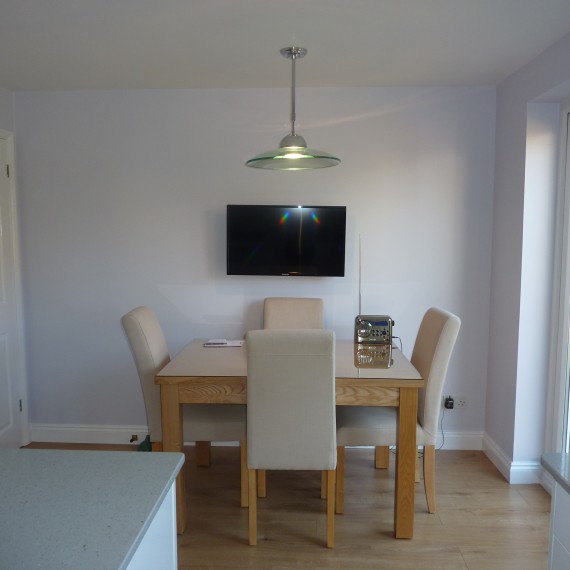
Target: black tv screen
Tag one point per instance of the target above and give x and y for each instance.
(286, 240)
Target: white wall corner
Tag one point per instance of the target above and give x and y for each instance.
(515, 472)
(497, 456)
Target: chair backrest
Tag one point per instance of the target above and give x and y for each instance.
(431, 355)
(293, 313)
(150, 353)
(291, 417)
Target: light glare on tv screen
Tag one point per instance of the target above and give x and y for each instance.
(286, 240)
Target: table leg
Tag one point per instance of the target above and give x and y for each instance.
(172, 440)
(406, 463)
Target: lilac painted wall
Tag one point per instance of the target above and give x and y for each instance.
(123, 199)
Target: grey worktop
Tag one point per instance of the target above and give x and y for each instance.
(79, 509)
(558, 465)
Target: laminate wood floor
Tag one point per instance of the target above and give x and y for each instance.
(482, 522)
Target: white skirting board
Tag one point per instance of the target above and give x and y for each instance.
(75, 433)
(72, 433)
(97, 434)
(514, 472)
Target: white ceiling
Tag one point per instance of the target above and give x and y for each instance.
(124, 44)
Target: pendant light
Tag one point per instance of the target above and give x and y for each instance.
(293, 153)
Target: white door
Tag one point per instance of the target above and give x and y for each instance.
(14, 430)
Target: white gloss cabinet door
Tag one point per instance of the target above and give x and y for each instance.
(559, 556)
(158, 548)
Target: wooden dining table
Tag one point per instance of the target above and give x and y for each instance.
(365, 376)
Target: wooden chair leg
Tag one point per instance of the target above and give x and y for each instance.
(156, 446)
(252, 483)
(203, 455)
(331, 475)
(382, 457)
(429, 476)
(244, 494)
(261, 483)
(323, 484)
(339, 499)
(417, 479)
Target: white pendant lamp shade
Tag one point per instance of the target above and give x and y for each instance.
(293, 153)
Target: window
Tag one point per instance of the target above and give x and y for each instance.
(558, 438)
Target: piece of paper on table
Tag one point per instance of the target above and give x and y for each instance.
(221, 342)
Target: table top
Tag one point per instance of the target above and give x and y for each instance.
(351, 361)
(79, 509)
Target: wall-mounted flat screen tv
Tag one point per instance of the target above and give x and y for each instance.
(286, 240)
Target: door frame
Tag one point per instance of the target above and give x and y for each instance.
(559, 380)
(21, 377)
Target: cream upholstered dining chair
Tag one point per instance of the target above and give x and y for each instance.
(376, 426)
(291, 409)
(293, 313)
(202, 424)
(290, 313)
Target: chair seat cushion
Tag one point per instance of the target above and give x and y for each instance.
(214, 422)
(370, 425)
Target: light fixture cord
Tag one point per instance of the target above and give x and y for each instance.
(293, 117)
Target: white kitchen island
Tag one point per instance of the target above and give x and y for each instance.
(99, 510)
(558, 465)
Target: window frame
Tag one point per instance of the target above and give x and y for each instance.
(558, 424)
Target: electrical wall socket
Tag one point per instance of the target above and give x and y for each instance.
(461, 402)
